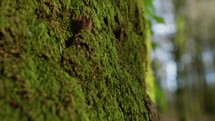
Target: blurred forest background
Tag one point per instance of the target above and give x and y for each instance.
(183, 58)
(86, 60)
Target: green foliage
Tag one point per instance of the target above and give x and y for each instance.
(50, 70)
(160, 97)
(153, 89)
(154, 45)
(150, 12)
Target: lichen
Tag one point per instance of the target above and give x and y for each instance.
(50, 70)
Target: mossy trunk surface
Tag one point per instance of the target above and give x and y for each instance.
(73, 60)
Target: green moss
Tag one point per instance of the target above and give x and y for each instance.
(52, 71)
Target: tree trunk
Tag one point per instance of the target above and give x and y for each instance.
(80, 60)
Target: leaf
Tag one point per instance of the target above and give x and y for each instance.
(151, 13)
(158, 19)
(154, 45)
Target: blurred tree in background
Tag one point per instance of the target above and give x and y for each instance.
(195, 56)
(183, 58)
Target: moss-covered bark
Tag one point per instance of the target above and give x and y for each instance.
(80, 60)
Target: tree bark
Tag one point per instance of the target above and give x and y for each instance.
(80, 60)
